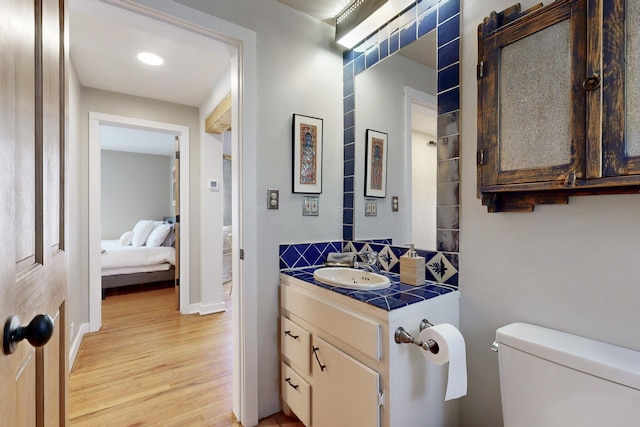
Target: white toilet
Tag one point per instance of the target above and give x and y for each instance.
(554, 379)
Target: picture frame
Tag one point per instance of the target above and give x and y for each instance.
(307, 154)
(376, 164)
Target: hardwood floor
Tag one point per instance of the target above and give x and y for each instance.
(149, 365)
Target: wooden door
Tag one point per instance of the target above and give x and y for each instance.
(33, 259)
(176, 192)
(531, 127)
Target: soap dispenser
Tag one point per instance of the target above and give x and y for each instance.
(412, 267)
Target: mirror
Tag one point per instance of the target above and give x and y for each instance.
(397, 96)
(419, 20)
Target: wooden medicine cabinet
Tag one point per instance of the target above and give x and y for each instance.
(558, 103)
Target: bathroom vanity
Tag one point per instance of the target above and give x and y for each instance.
(341, 364)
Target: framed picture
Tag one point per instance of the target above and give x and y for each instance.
(375, 164)
(307, 154)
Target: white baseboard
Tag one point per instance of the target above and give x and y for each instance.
(75, 344)
(207, 309)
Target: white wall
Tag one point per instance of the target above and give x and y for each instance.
(77, 187)
(380, 105)
(211, 202)
(299, 71)
(568, 267)
(135, 186)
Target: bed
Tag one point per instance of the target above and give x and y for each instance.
(126, 264)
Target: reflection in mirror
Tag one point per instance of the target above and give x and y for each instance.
(397, 96)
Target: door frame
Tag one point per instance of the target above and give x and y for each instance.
(412, 96)
(244, 100)
(97, 119)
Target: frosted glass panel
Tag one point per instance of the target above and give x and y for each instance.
(633, 79)
(535, 92)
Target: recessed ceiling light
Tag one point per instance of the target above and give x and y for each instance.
(150, 58)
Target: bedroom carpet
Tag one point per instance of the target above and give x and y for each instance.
(150, 366)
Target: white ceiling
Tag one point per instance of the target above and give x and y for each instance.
(104, 42)
(324, 10)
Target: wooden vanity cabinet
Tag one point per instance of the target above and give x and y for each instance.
(556, 103)
(341, 366)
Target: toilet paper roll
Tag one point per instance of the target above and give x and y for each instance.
(451, 349)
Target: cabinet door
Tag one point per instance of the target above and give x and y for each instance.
(531, 98)
(621, 88)
(345, 392)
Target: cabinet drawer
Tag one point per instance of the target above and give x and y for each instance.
(352, 329)
(294, 344)
(296, 392)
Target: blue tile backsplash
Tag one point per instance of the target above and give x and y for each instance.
(297, 255)
(440, 267)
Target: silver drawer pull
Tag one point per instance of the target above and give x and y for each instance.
(295, 337)
(295, 386)
(315, 352)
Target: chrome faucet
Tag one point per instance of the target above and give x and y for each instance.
(369, 263)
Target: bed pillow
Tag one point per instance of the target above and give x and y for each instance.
(126, 238)
(170, 240)
(157, 236)
(141, 231)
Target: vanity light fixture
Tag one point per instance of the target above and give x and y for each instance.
(363, 17)
(150, 58)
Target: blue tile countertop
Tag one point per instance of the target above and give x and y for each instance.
(397, 295)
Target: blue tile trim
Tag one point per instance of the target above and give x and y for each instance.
(350, 118)
(447, 80)
(416, 20)
(407, 34)
(449, 30)
(424, 5)
(449, 101)
(349, 136)
(448, 54)
(348, 184)
(447, 9)
(426, 23)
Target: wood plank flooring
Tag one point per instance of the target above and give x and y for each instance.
(150, 366)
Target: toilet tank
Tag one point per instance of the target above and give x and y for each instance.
(554, 379)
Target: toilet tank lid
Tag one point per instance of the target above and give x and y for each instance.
(600, 359)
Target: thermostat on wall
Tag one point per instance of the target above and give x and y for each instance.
(213, 185)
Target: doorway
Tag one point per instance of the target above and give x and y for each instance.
(173, 18)
(96, 120)
(421, 163)
(138, 183)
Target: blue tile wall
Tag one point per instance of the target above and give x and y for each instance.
(416, 20)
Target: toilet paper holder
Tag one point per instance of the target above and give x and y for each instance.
(403, 337)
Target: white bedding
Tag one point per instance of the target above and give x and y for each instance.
(139, 269)
(115, 255)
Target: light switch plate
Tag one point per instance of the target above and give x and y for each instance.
(370, 207)
(310, 205)
(273, 198)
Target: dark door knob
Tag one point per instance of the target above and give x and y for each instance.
(37, 332)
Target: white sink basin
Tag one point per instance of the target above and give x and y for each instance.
(351, 278)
